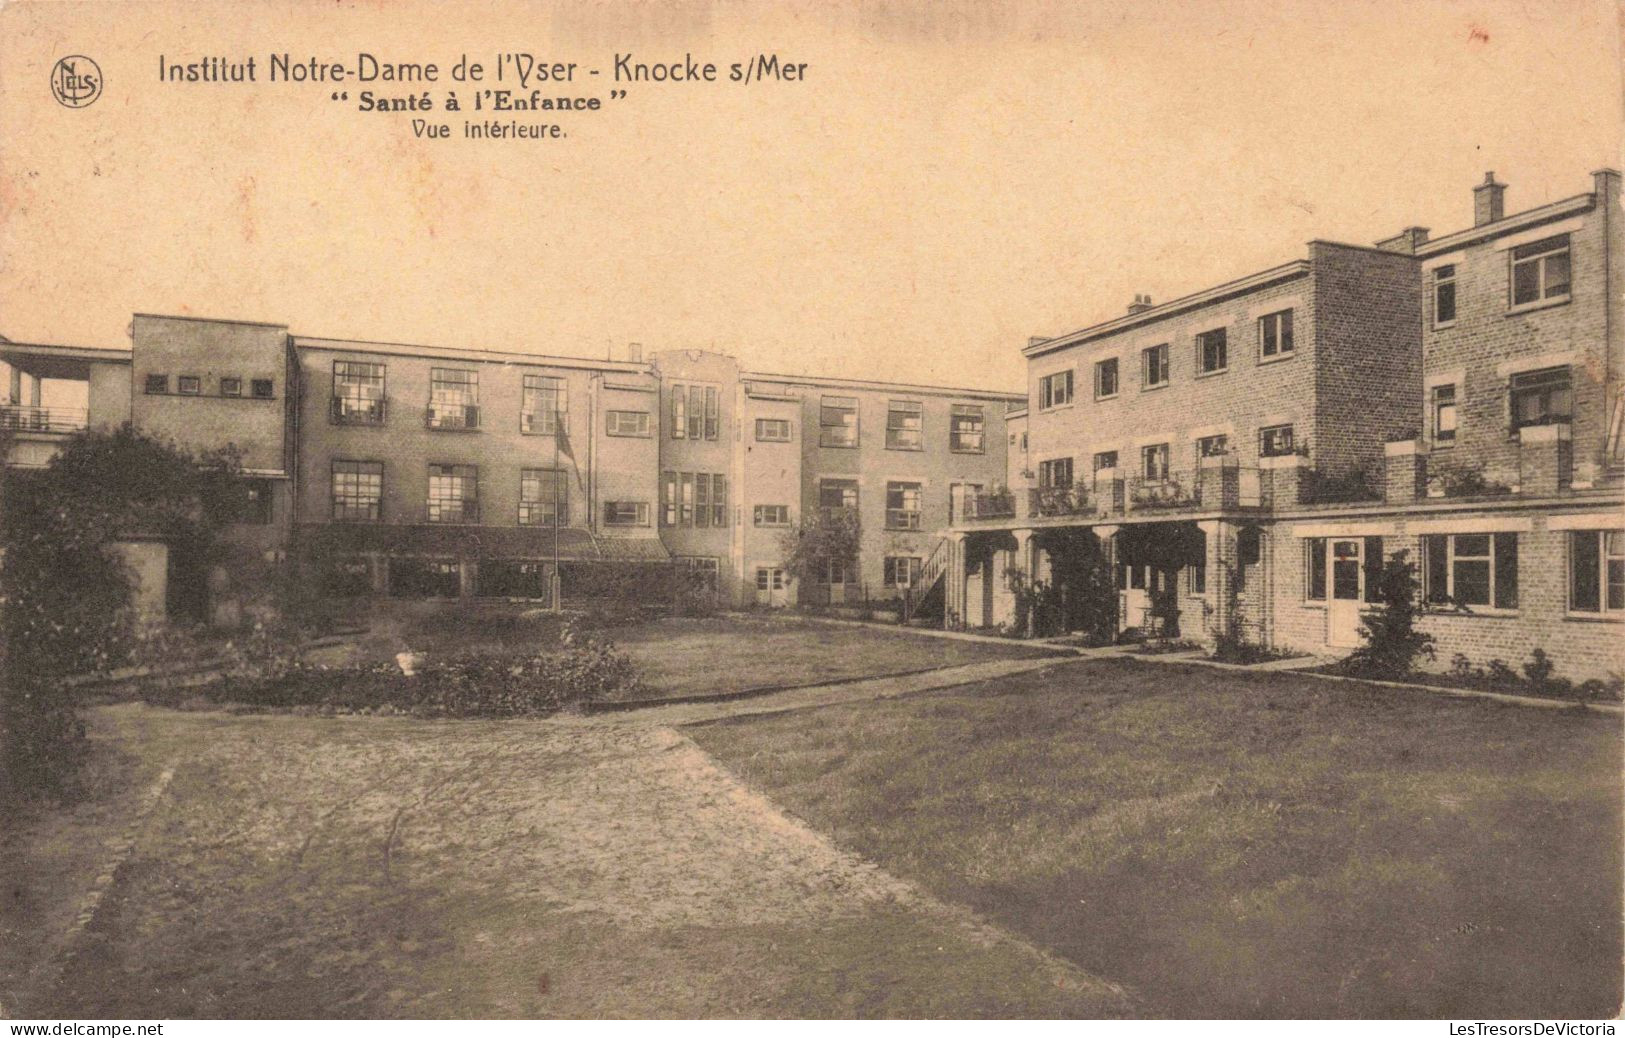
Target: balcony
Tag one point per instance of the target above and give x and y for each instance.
(997, 504)
(902, 519)
(455, 417)
(31, 418)
(353, 411)
(1174, 491)
(1070, 499)
(453, 512)
(1219, 484)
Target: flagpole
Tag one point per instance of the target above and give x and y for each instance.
(558, 430)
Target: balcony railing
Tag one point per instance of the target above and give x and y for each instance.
(453, 512)
(353, 411)
(1069, 499)
(453, 416)
(998, 504)
(1172, 491)
(902, 518)
(838, 513)
(28, 418)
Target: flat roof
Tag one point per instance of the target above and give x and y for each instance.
(869, 384)
(100, 354)
(303, 342)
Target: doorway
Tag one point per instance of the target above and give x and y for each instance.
(1346, 561)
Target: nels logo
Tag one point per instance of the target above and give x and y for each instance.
(76, 81)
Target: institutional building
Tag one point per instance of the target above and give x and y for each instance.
(429, 472)
(1247, 456)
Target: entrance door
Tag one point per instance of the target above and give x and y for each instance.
(1136, 603)
(770, 587)
(1347, 565)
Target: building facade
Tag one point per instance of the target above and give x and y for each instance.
(420, 471)
(1244, 459)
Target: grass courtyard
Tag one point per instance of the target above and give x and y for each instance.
(1238, 844)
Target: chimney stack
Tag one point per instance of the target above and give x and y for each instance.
(1140, 304)
(1406, 241)
(1034, 340)
(1489, 201)
(634, 352)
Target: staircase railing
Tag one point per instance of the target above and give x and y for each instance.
(930, 572)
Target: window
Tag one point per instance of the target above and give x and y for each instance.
(1212, 352)
(705, 570)
(838, 421)
(1540, 271)
(262, 388)
(1314, 569)
(1213, 446)
(1471, 569)
(1443, 408)
(1444, 295)
(1597, 571)
(1057, 472)
(1055, 390)
(1275, 334)
(834, 571)
(626, 513)
(1154, 366)
(157, 384)
(358, 491)
(1154, 461)
(1106, 378)
(695, 413)
(769, 578)
(1275, 441)
(905, 426)
(231, 386)
(543, 498)
(697, 499)
(189, 385)
(965, 425)
(838, 495)
(544, 405)
(772, 515)
(358, 393)
(1105, 460)
(773, 430)
(901, 571)
(627, 423)
(1542, 397)
(453, 494)
(454, 399)
(902, 506)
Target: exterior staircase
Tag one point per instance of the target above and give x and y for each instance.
(924, 599)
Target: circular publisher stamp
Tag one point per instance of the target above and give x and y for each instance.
(76, 81)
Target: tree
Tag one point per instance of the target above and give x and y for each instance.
(812, 546)
(1391, 642)
(64, 590)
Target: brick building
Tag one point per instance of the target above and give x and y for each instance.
(1244, 458)
(430, 472)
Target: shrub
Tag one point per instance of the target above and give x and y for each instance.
(1539, 670)
(1391, 642)
(1499, 673)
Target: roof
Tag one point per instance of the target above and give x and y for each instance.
(879, 387)
(1239, 286)
(573, 543)
(1506, 225)
(302, 342)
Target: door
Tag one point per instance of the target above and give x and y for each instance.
(1347, 566)
(1136, 602)
(770, 587)
(958, 494)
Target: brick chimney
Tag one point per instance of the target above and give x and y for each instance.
(1406, 241)
(1605, 183)
(1140, 305)
(1489, 201)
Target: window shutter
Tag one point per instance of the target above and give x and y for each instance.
(1506, 571)
(1373, 569)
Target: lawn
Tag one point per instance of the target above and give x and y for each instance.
(678, 656)
(1238, 845)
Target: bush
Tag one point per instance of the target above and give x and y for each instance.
(1391, 642)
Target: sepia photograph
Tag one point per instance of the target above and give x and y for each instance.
(869, 510)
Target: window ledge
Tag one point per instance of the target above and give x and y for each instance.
(907, 450)
(1103, 399)
(1154, 385)
(838, 446)
(1278, 358)
(964, 450)
(1216, 371)
(1440, 326)
(1474, 613)
(1594, 618)
(1539, 304)
(1055, 407)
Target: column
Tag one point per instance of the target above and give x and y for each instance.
(953, 587)
(1026, 564)
(1218, 534)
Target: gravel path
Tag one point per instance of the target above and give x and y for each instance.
(391, 867)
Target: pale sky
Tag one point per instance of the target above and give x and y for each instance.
(948, 180)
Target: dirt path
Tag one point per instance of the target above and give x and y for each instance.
(382, 867)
